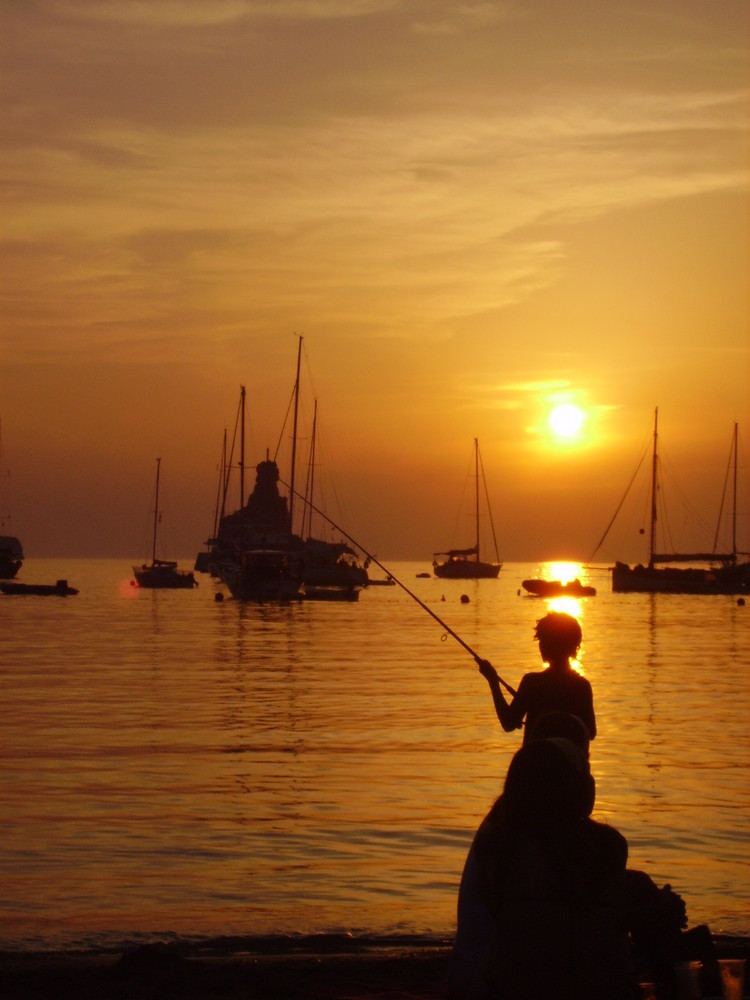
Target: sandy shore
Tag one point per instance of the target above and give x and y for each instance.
(229, 968)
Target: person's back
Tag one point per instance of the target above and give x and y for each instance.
(553, 882)
(554, 690)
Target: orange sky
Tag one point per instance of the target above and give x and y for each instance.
(470, 211)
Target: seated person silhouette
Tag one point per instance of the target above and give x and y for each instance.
(552, 882)
(654, 917)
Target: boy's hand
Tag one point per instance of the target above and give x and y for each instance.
(487, 670)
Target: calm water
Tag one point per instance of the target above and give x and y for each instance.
(174, 765)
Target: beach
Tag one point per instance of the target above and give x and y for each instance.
(227, 968)
(276, 969)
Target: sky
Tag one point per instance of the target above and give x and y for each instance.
(471, 212)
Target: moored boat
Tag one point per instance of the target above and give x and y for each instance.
(263, 574)
(255, 553)
(466, 564)
(556, 588)
(162, 574)
(723, 577)
(711, 572)
(58, 589)
(256, 550)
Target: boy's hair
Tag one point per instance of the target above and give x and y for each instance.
(560, 631)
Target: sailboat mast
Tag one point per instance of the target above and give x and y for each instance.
(221, 491)
(309, 495)
(294, 438)
(156, 512)
(242, 447)
(476, 498)
(734, 499)
(654, 488)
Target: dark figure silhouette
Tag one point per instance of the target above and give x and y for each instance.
(653, 917)
(553, 881)
(557, 688)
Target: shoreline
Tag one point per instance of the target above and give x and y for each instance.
(314, 968)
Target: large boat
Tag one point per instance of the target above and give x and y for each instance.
(253, 550)
(162, 574)
(466, 564)
(256, 550)
(711, 572)
(263, 574)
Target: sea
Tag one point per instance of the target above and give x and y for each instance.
(181, 765)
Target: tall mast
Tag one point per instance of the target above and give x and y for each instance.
(734, 498)
(476, 472)
(221, 492)
(654, 488)
(294, 438)
(309, 496)
(242, 447)
(156, 512)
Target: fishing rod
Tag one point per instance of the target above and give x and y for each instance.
(403, 586)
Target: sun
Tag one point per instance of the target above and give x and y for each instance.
(566, 421)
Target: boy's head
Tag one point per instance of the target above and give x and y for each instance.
(558, 634)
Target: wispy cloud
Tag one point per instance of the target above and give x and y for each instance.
(351, 175)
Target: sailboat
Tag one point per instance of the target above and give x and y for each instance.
(465, 564)
(162, 574)
(253, 550)
(718, 573)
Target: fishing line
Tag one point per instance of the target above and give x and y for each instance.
(395, 579)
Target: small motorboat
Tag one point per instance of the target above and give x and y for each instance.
(556, 588)
(59, 589)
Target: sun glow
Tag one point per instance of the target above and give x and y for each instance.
(566, 421)
(562, 571)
